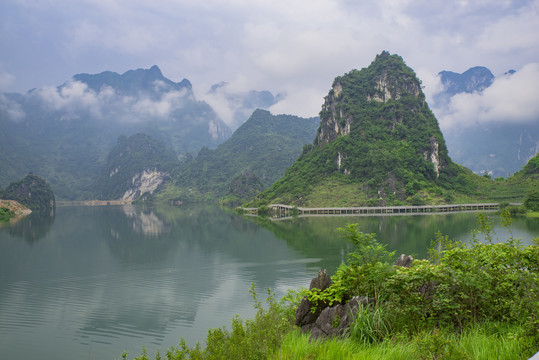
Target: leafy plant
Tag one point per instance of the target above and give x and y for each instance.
(367, 268)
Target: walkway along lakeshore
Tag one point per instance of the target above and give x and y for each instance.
(93, 202)
(287, 210)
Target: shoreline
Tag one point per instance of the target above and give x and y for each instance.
(19, 210)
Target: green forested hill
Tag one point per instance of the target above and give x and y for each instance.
(64, 133)
(131, 158)
(256, 155)
(32, 192)
(378, 143)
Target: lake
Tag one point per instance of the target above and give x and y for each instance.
(95, 281)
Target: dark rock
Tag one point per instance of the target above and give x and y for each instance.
(322, 281)
(304, 314)
(335, 320)
(404, 261)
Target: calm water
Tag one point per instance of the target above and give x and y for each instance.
(95, 281)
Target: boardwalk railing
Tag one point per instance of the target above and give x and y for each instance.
(285, 210)
(93, 202)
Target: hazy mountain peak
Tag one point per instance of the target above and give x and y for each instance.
(475, 79)
(132, 82)
(235, 106)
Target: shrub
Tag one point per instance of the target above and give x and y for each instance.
(368, 266)
(532, 201)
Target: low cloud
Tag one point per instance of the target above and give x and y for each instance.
(10, 109)
(235, 105)
(74, 98)
(510, 99)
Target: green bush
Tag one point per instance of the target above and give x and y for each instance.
(532, 201)
(367, 268)
(5, 214)
(459, 287)
(263, 210)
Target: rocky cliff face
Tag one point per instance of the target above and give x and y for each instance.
(387, 88)
(145, 182)
(336, 122)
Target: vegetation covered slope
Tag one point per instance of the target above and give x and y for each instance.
(378, 143)
(64, 133)
(130, 159)
(255, 156)
(32, 192)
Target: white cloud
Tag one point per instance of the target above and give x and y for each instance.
(76, 98)
(296, 47)
(510, 99)
(12, 110)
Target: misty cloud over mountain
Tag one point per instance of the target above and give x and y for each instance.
(491, 124)
(510, 99)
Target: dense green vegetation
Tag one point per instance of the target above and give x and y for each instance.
(475, 301)
(379, 144)
(67, 139)
(254, 157)
(32, 192)
(387, 155)
(5, 214)
(130, 157)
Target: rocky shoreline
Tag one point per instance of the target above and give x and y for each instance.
(17, 208)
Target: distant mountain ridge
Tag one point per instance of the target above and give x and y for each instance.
(475, 79)
(134, 81)
(498, 149)
(65, 133)
(254, 157)
(241, 105)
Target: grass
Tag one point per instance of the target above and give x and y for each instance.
(331, 192)
(297, 346)
(482, 342)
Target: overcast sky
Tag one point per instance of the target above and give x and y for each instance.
(295, 47)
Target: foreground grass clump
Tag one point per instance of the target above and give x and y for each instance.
(484, 341)
(468, 301)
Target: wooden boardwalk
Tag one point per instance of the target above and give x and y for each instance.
(287, 210)
(93, 202)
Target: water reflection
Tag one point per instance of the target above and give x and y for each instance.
(32, 227)
(107, 279)
(410, 235)
(144, 220)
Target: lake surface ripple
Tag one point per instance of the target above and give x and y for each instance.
(95, 281)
